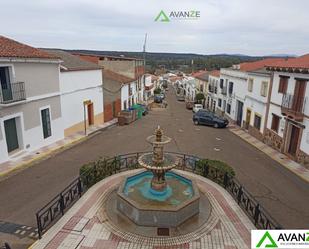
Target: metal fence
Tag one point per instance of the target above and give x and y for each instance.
(98, 170)
(13, 92)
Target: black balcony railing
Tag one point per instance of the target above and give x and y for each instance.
(12, 92)
(293, 105)
(56, 208)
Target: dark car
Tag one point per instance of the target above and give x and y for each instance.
(205, 117)
(158, 98)
(145, 109)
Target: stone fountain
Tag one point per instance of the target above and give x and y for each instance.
(158, 197)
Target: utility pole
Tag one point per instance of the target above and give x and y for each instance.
(144, 57)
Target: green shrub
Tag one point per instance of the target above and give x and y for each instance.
(157, 91)
(199, 97)
(208, 166)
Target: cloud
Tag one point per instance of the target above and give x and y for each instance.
(255, 27)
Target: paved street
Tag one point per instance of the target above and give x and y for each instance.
(282, 193)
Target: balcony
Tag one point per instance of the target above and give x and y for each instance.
(12, 93)
(293, 106)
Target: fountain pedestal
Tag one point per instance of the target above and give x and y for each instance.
(153, 199)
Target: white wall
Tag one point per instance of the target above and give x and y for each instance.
(304, 144)
(76, 87)
(31, 139)
(254, 100)
(125, 94)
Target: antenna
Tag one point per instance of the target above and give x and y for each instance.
(144, 54)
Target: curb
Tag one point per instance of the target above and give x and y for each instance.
(306, 179)
(55, 150)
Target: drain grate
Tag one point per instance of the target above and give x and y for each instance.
(163, 231)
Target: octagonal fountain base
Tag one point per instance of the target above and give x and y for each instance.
(147, 207)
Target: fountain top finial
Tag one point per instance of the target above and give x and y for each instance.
(159, 134)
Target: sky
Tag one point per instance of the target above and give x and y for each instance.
(252, 27)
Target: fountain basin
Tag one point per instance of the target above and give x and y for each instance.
(148, 207)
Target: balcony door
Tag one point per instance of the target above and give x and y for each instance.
(299, 94)
(6, 90)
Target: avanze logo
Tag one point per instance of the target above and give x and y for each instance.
(280, 239)
(177, 15)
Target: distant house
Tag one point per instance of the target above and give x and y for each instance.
(234, 85)
(287, 127)
(30, 105)
(81, 92)
(133, 68)
(201, 82)
(120, 93)
(151, 82)
(122, 72)
(212, 100)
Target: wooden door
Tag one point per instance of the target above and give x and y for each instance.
(248, 118)
(90, 114)
(295, 131)
(299, 93)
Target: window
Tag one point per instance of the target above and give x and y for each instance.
(283, 84)
(46, 123)
(219, 102)
(257, 121)
(275, 123)
(228, 108)
(231, 88)
(125, 105)
(250, 84)
(264, 87)
(221, 83)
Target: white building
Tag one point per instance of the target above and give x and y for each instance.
(288, 115)
(234, 85)
(256, 102)
(212, 100)
(30, 107)
(129, 95)
(81, 92)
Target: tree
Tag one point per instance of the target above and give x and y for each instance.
(199, 97)
(157, 91)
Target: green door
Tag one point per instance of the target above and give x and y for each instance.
(11, 134)
(5, 84)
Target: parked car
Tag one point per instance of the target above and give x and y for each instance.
(145, 109)
(205, 117)
(158, 98)
(197, 107)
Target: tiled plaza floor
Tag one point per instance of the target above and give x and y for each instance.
(298, 169)
(227, 227)
(23, 158)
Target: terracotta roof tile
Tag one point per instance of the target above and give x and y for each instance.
(301, 62)
(116, 76)
(215, 73)
(14, 49)
(250, 66)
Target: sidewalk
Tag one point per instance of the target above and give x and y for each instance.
(291, 165)
(24, 158)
